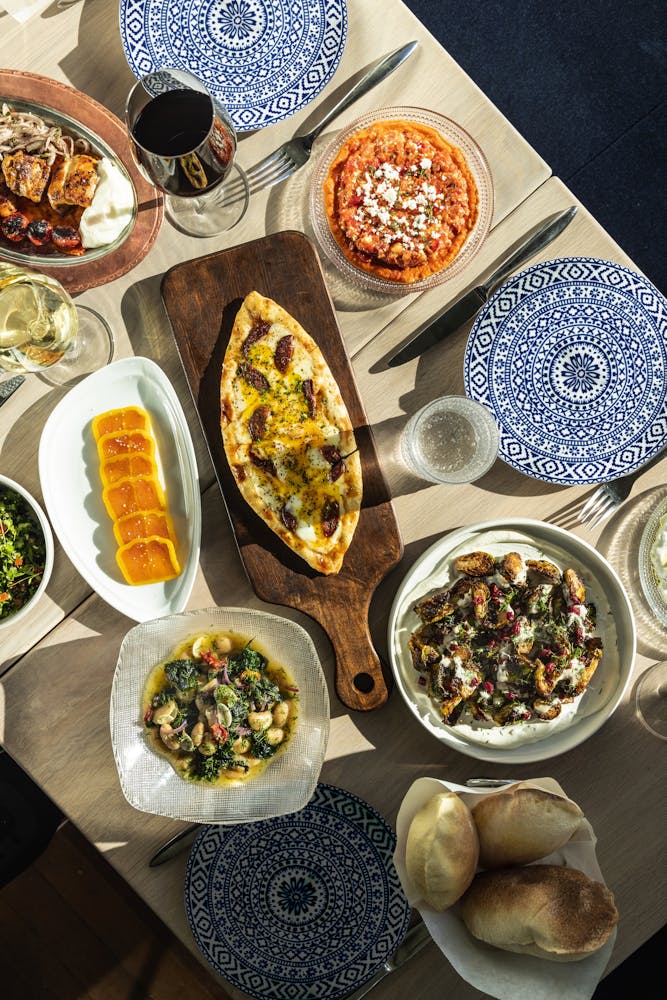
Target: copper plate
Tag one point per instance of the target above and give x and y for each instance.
(80, 273)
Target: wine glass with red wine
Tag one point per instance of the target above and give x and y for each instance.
(184, 142)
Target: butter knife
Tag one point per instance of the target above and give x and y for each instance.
(180, 842)
(412, 943)
(10, 386)
(469, 303)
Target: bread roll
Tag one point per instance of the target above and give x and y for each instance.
(523, 824)
(544, 910)
(442, 850)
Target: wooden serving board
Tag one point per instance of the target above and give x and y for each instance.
(202, 298)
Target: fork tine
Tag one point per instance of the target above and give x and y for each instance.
(266, 177)
(261, 165)
(605, 514)
(596, 510)
(592, 501)
(285, 171)
(601, 511)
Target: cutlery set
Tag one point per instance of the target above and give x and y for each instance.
(288, 158)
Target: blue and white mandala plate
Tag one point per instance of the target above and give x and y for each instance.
(264, 59)
(307, 905)
(571, 358)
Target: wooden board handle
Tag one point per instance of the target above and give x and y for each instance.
(359, 680)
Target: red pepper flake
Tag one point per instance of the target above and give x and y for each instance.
(488, 686)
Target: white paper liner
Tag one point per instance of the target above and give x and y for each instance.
(498, 973)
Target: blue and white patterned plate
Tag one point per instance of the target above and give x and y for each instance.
(264, 59)
(571, 357)
(307, 905)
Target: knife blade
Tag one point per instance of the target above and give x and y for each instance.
(469, 303)
(10, 386)
(184, 839)
(412, 943)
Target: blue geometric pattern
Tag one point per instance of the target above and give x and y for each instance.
(264, 59)
(571, 358)
(307, 905)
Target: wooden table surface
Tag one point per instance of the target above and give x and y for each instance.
(57, 667)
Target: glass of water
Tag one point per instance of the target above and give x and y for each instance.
(452, 439)
(42, 330)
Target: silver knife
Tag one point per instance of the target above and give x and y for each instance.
(413, 942)
(10, 386)
(175, 845)
(453, 316)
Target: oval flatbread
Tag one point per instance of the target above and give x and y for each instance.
(287, 434)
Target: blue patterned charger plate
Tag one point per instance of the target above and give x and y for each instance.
(571, 358)
(307, 905)
(264, 59)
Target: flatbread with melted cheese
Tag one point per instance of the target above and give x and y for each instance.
(287, 434)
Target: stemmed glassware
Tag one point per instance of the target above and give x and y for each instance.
(42, 330)
(184, 142)
(651, 699)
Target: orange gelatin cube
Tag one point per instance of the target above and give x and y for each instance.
(135, 463)
(132, 494)
(142, 524)
(123, 443)
(127, 418)
(148, 560)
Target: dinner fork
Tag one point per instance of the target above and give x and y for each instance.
(294, 153)
(609, 496)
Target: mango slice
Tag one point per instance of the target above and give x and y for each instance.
(127, 418)
(134, 497)
(142, 524)
(130, 495)
(136, 463)
(148, 560)
(123, 443)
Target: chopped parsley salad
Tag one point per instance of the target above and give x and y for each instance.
(22, 553)
(218, 709)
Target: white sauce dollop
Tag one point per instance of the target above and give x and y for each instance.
(110, 211)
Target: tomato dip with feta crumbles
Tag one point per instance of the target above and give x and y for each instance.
(400, 200)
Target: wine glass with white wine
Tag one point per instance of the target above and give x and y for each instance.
(43, 331)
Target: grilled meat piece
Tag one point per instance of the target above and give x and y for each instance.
(14, 226)
(25, 175)
(73, 181)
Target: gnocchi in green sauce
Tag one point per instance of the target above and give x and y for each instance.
(218, 709)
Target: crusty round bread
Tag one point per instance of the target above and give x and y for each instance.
(523, 824)
(544, 910)
(442, 850)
